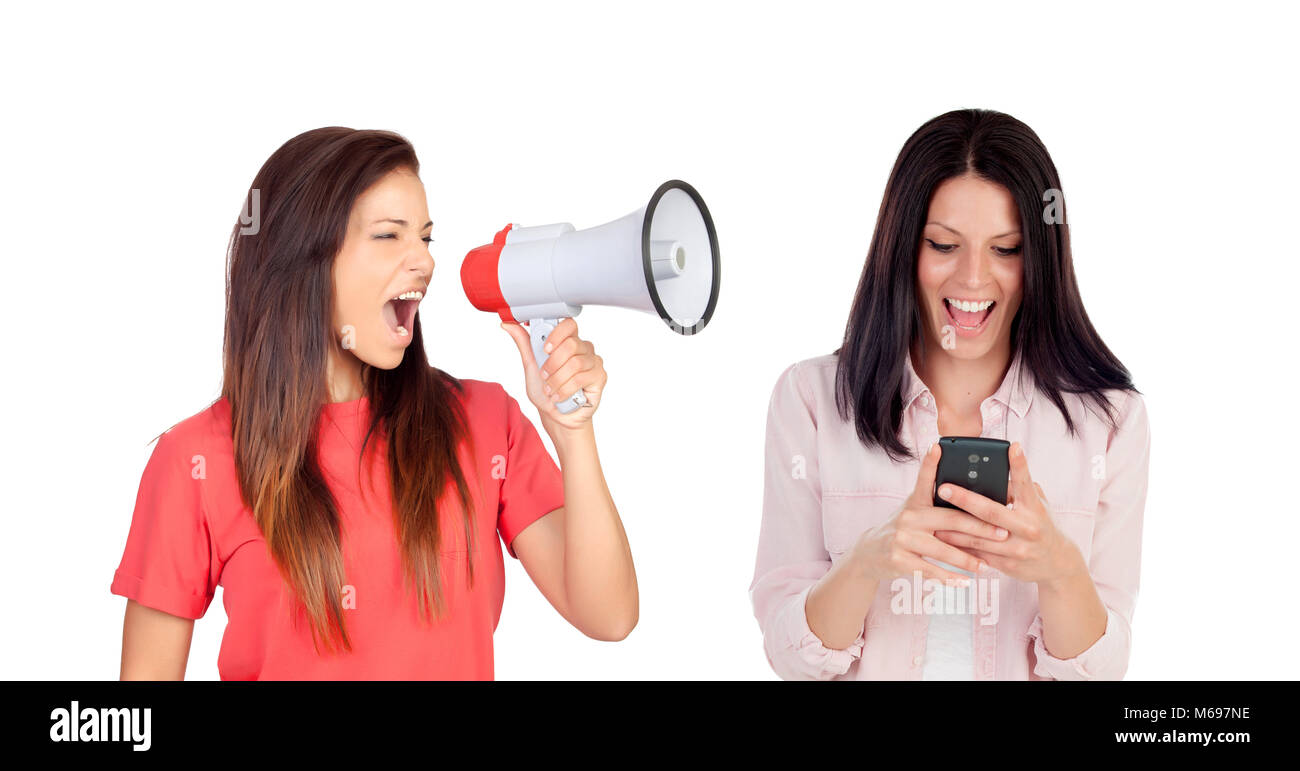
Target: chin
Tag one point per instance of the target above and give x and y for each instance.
(967, 350)
(381, 359)
(389, 361)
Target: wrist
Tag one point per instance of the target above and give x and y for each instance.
(860, 564)
(1073, 567)
(569, 439)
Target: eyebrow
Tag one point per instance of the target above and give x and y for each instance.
(399, 222)
(945, 227)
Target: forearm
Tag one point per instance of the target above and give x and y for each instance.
(1074, 616)
(838, 603)
(599, 577)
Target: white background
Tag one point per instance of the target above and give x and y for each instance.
(131, 136)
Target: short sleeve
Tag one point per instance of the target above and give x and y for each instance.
(168, 562)
(791, 555)
(1116, 556)
(532, 484)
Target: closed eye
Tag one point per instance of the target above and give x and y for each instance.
(941, 248)
(1007, 251)
(426, 239)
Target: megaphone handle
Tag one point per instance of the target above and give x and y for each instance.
(539, 330)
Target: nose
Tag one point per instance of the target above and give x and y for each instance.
(974, 269)
(418, 260)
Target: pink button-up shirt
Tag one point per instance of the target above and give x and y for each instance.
(823, 489)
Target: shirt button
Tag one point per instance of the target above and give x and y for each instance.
(925, 401)
(916, 661)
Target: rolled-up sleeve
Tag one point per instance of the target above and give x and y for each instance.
(170, 562)
(791, 554)
(1116, 555)
(533, 484)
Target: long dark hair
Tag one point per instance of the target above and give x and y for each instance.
(279, 311)
(1051, 330)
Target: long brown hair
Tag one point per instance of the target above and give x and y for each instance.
(279, 311)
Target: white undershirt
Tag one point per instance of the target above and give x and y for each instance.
(949, 645)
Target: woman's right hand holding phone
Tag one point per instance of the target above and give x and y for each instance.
(895, 547)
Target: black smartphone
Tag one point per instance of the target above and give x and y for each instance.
(975, 463)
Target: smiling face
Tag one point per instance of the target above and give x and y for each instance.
(969, 268)
(382, 272)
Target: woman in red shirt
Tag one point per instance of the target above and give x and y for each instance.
(345, 494)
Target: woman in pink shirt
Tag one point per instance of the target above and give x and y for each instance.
(967, 322)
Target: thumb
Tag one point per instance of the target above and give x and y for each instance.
(524, 342)
(923, 493)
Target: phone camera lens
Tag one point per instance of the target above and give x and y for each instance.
(972, 474)
(974, 458)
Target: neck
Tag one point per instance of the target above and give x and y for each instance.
(343, 374)
(961, 385)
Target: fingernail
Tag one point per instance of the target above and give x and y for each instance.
(1002, 532)
(545, 374)
(548, 348)
(945, 492)
(548, 388)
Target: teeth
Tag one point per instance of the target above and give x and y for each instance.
(402, 331)
(412, 295)
(969, 306)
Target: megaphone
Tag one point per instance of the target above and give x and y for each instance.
(661, 258)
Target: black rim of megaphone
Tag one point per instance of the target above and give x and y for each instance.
(677, 184)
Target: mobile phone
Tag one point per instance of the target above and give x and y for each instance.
(975, 463)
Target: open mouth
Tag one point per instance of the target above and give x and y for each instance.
(399, 312)
(968, 315)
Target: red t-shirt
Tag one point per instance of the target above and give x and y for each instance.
(191, 533)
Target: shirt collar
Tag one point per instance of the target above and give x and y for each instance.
(1016, 390)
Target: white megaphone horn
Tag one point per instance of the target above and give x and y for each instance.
(661, 258)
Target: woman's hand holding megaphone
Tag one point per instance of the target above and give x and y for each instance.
(572, 365)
